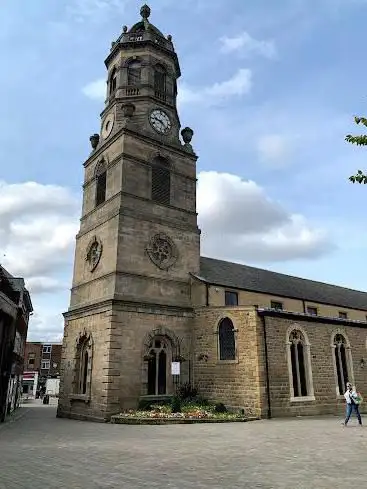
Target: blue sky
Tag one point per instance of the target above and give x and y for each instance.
(270, 89)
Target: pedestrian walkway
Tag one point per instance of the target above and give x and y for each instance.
(39, 450)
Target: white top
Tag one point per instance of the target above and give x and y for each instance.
(350, 394)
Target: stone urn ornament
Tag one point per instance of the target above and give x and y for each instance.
(94, 140)
(187, 134)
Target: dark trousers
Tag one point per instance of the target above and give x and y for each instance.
(350, 409)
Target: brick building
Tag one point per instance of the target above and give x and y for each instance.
(147, 311)
(15, 309)
(44, 358)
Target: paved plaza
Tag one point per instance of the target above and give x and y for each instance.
(39, 450)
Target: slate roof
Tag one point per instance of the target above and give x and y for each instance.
(228, 274)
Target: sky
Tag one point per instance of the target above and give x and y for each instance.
(270, 89)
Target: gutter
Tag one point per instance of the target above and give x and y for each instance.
(263, 321)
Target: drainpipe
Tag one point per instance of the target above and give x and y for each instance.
(207, 294)
(263, 320)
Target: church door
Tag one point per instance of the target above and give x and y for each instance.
(157, 367)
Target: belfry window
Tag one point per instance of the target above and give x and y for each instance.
(134, 73)
(113, 81)
(161, 181)
(299, 362)
(227, 344)
(341, 359)
(160, 82)
(101, 183)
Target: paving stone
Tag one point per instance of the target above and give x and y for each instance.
(39, 450)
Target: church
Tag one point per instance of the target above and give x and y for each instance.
(148, 312)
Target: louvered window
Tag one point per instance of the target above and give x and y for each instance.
(101, 188)
(134, 73)
(161, 184)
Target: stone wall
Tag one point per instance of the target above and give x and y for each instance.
(323, 371)
(95, 406)
(237, 383)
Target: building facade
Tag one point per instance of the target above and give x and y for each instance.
(43, 359)
(148, 312)
(15, 309)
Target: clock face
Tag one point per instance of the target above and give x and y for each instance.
(160, 121)
(108, 125)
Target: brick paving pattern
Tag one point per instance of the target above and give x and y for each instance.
(38, 450)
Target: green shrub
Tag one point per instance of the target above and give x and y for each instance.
(220, 408)
(186, 392)
(176, 405)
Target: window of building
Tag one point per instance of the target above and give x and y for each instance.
(101, 183)
(113, 81)
(343, 315)
(31, 362)
(312, 311)
(161, 181)
(158, 366)
(45, 364)
(46, 349)
(231, 298)
(299, 361)
(160, 82)
(134, 73)
(227, 343)
(83, 365)
(342, 362)
(276, 305)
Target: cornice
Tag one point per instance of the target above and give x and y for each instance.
(129, 306)
(150, 140)
(140, 216)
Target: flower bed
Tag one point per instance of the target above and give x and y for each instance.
(164, 415)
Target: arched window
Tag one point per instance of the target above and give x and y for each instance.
(101, 183)
(134, 73)
(113, 81)
(299, 362)
(341, 359)
(83, 365)
(160, 82)
(227, 344)
(158, 366)
(161, 181)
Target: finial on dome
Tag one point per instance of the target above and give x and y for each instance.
(145, 11)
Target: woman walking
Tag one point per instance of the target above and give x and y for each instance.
(353, 399)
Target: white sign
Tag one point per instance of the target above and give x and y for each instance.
(175, 368)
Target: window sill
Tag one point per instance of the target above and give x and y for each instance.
(221, 362)
(79, 397)
(302, 399)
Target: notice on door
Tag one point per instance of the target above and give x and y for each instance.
(175, 368)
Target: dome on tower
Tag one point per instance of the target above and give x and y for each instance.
(142, 26)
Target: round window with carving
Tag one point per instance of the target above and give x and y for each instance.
(94, 253)
(162, 251)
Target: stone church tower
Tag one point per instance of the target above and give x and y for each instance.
(130, 313)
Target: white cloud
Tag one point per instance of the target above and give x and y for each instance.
(239, 222)
(95, 90)
(38, 224)
(46, 326)
(275, 149)
(239, 84)
(246, 46)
